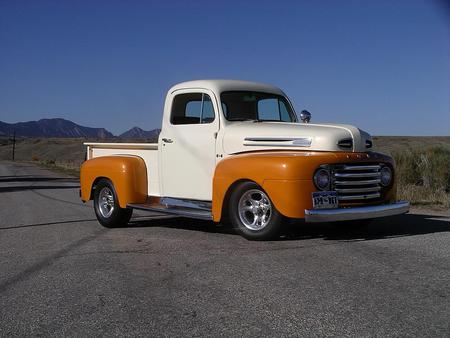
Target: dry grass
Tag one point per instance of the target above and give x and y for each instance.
(424, 176)
(419, 195)
(422, 167)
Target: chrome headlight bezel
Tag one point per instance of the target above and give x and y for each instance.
(322, 179)
(386, 176)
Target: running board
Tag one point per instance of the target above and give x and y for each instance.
(183, 208)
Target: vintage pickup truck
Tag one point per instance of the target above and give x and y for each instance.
(235, 151)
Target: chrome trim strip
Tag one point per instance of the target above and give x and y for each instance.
(349, 190)
(94, 145)
(374, 174)
(269, 139)
(361, 167)
(296, 141)
(347, 214)
(186, 203)
(272, 145)
(359, 197)
(367, 182)
(190, 213)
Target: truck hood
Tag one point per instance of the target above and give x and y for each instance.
(251, 136)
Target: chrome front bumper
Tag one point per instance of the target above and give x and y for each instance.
(347, 214)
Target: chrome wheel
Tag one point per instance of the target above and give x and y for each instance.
(106, 202)
(255, 209)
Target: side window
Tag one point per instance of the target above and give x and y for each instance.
(192, 108)
(207, 110)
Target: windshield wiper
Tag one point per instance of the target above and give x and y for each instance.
(252, 120)
(259, 120)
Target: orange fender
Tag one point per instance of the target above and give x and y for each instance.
(127, 173)
(286, 176)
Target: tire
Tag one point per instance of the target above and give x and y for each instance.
(252, 213)
(106, 206)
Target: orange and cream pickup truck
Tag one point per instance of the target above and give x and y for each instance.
(236, 151)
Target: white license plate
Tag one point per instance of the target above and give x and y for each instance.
(325, 200)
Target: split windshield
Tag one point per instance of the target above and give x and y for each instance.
(256, 106)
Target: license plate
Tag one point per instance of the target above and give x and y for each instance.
(325, 200)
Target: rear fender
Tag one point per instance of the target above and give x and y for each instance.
(128, 174)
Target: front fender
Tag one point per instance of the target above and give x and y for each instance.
(286, 176)
(127, 173)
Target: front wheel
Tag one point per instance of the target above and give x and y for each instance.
(107, 208)
(252, 213)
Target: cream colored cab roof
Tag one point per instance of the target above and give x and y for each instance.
(219, 86)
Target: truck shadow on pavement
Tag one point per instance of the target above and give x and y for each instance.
(37, 183)
(34, 178)
(389, 227)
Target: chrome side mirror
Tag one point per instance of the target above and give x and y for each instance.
(305, 116)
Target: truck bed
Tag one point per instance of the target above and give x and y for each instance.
(147, 151)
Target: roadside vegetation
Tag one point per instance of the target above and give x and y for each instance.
(422, 168)
(424, 176)
(423, 163)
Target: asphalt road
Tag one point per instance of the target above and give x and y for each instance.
(62, 274)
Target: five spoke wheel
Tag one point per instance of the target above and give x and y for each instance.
(106, 202)
(106, 206)
(252, 213)
(255, 209)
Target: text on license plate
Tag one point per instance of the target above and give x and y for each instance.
(325, 200)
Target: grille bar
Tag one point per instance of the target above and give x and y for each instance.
(358, 197)
(357, 175)
(363, 190)
(356, 182)
(366, 182)
(361, 167)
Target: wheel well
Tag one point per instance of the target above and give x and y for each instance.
(94, 184)
(226, 200)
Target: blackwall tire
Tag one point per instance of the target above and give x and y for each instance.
(106, 206)
(252, 213)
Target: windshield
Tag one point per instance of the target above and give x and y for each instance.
(256, 106)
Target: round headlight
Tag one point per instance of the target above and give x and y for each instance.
(386, 176)
(322, 179)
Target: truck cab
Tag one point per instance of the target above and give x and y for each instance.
(236, 150)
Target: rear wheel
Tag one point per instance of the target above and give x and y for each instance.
(107, 208)
(252, 213)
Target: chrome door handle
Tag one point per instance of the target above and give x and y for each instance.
(167, 140)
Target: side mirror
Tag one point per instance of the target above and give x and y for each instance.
(305, 116)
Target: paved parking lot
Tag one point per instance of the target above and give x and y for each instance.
(62, 274)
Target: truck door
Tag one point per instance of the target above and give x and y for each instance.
(188, 145)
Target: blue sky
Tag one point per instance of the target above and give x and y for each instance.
(381, 65)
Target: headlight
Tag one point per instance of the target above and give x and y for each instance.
(322, 179)
(386, 176)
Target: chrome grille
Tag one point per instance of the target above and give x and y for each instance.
(356, 182)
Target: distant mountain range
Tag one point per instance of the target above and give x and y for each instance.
(137, 132)
(65, 128)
